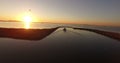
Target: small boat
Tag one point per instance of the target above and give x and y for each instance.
(25, 34)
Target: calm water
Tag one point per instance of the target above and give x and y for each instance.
(47, 25)
(77, 45)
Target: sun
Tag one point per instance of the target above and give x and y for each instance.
(27, 19)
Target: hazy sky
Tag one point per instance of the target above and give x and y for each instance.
(78, 11)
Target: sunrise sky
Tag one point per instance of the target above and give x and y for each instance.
(98, 12)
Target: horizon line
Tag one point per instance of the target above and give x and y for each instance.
(62, 23)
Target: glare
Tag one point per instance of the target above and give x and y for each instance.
(27, 18)
(27, 21)
(27, 25)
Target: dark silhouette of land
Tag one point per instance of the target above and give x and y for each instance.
(54, 51)
(25, 34)
(38, 34)
(112, 35)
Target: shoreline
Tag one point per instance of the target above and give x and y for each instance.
(25, 34)
(38, 34)
(113, 35)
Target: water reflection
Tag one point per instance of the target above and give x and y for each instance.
(61, 46)
(27, 25)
